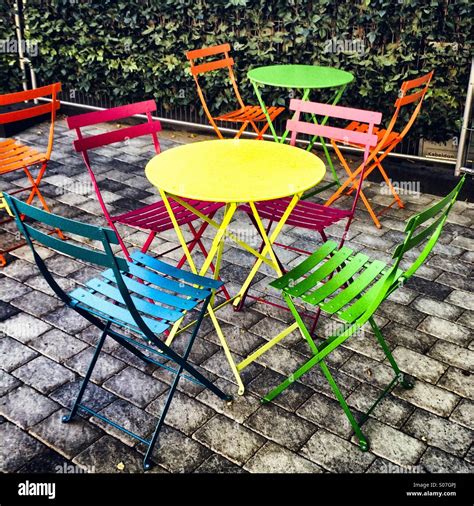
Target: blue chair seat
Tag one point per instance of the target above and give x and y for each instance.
(161, 293)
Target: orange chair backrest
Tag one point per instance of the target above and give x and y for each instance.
(412, 92)
(225, 61)
(49, 107)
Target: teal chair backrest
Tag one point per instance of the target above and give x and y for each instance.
(105, 236)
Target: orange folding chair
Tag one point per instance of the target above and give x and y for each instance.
(14, 155)
(245, 114)
(411, 93)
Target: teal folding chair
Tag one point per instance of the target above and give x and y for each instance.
(145, 296)
(352, 286)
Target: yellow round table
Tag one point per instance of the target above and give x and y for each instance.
(234, 172)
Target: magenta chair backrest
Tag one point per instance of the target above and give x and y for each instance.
(151, 127)
(82, 144)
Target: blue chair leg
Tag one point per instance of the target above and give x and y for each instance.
(77, 402)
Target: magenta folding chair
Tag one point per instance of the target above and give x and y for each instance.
(310, 215)
(153, 218)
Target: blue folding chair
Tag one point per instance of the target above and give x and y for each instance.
(144, 295)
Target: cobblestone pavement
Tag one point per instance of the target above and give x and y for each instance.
(44, 349)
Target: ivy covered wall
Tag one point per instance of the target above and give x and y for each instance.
(132, 49)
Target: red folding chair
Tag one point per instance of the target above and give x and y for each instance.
(14, 155)
(153, 218)
(310, 215)
(246, 114)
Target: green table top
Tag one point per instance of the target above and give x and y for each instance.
(300, 76)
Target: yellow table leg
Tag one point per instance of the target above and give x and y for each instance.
(229, 213)
(268, 244)
(227, 351)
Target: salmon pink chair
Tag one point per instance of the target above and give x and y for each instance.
(15, 155)
(311, 215)
(246, 114)
(411, 94)
(153, 218)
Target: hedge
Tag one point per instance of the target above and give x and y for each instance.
(131, 49)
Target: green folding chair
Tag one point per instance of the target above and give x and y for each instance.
(144, 296)
(352, 286)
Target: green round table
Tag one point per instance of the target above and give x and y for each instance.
(303, 77)
(300, 77)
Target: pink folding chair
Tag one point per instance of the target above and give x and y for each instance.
(310, 215)
(153, 218)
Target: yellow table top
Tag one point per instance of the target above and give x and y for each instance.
(235, 170)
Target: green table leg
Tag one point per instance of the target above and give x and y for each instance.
(283, 138)
(265, 111)
(336, 181)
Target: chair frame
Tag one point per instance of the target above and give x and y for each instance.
(387, 143)
(23, 157)
(247, 115)
(119, 267)
(298, 284)
(151, 217)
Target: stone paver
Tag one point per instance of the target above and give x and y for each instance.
(185, 414)
(24, 327)
(418, 365)
(444, 329)
(390, 410)
(94, 398)
(336, 454)
(275, 459)
(26, 407)
(453, 355)
(7, 382)
(326, 413)
(108, 455)
(13, 354)
(105, 367)
(177, 453)
(443, 434)
(464, 414)
(58, 345)
(43, 374)
(392, 444)
(272, 422)
(13, 438)
(230, 439)
(437, 461)
(216, 464)
(429, 397)
(70, 438)
(46, 348)
(132, 384)
(459, 381)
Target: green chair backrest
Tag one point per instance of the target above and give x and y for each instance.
(415, 235)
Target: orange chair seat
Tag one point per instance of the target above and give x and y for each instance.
(250, 113)
(379, 132)
(15, 155)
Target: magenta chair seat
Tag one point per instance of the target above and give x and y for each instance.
(155, 217)
(306, 214)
